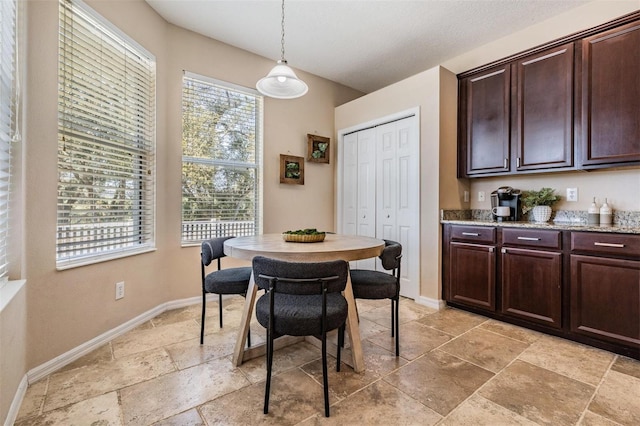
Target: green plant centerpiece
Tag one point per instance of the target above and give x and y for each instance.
(539, 202)
(308, 235)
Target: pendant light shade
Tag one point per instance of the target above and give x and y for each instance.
(282, 82)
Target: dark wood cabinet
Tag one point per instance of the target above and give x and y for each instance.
(571, 104)
(605, 299)
(584, 286)
(610, 124)
(543, 110)
(532, 285)
(475, 283)
(473, 275)
(605, 287)
(485, 138)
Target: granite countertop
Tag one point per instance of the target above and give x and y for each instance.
(623, 223)
(547, 225)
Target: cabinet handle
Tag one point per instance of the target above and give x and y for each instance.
(506, 163)
(529, 238)
(518, 162)
(504, 251)
(491, 249)
(608, 245)
(470, 234)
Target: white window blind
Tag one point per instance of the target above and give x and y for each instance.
(221, 162)
(7, 119)
(106, 140)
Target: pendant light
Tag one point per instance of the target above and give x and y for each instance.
(282, 82)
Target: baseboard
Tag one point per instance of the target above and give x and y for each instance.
(60, 361)
(431, 303)
(14, 409)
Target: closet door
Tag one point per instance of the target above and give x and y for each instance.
(366, 204)
(398, 196)
(350, 184)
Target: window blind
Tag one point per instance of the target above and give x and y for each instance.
(106, 140)
(7, 109)
(221, 166)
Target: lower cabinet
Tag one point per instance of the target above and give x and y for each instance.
(532, 285)
(475, 284)
(584, 286)
(605, 287)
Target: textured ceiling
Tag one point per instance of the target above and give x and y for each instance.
(363, 44)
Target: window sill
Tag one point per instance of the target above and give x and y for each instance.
(70, 264)
(8, 290)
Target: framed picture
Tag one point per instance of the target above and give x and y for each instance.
(318, 149)
(291, 169)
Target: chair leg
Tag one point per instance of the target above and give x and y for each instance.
(220, 308)
(340, 345)
(325, 379)
(269, 364)
(398, 326)
(249, 338)
(392, 318)
(204, 305)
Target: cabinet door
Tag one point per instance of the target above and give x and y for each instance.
(543, 127)
(611, 97)
(605, 299)
(532, 285)
(472, 275)
(486, 140)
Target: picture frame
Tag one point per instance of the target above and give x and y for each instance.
(291, 169)
(318, 149)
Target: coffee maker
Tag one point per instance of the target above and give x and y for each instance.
(509, 197)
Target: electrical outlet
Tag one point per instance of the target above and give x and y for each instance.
(480, 195)
(572, 194)
(119, 290)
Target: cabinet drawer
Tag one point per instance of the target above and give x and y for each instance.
(605, 243)
(481, 234)
(532, 238)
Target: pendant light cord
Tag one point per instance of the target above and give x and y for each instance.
(282, 41)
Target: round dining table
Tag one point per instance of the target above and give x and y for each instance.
(334, 247)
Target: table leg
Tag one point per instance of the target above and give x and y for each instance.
(354, 329)
(245, 322)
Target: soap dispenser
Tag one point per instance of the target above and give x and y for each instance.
(606, 214)
(594, 213)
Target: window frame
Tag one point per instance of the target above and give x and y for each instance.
(258, 165)
(121, 129)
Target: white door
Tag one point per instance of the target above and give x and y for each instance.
(380, 192)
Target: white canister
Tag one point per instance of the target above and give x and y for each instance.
(594, 213)
(606, 214)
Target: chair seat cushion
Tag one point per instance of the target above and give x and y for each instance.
(368, 284)
(228, 281)
(300, 315)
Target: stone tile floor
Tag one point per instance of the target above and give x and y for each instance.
(455, 368)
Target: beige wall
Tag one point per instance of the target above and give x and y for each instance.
(68, 308)
(432, 91)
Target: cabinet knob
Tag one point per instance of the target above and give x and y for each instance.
(504, 251)
(388, 216)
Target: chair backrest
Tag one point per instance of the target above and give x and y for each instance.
(391, 255)
(213, 249)
(300, 270)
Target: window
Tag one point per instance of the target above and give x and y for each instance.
(106, 140)
(221, 166)
(8, 91)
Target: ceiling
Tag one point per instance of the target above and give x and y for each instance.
(363, 44)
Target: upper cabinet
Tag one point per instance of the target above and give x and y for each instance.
(574, 104)
(611, 97)
(485, 139)
(542, 128)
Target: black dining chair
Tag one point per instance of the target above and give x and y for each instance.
(301, 299)
(221, 281)
(369, 284)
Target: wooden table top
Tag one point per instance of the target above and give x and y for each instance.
(334, 247)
